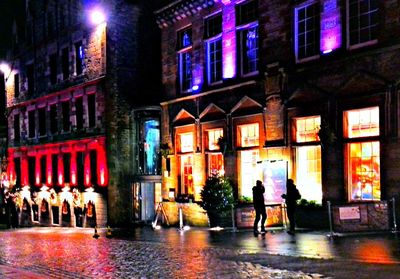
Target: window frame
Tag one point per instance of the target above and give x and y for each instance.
(348, 31)
(317, 32)
(213, 40)
(184, 49)
(243, 25)
(362, 140)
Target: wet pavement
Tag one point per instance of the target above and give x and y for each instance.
(197, 253)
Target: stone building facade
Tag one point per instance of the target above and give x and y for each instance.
(71, 90)
(282, 89)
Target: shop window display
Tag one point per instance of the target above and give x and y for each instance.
(308, 157)
(363, 157)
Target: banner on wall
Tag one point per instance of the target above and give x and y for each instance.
(274, 179)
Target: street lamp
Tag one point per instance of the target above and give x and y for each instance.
(97, 16)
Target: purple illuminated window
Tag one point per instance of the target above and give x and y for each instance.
(307, 31)
(185, 59)
(214, 58)
(213, 32)
(362, 21)
(185, 67)
(247, 26)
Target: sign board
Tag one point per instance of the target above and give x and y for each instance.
(349, 213)
(274, 180)
(245, 216)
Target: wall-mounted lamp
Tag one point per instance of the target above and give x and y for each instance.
(97, 16)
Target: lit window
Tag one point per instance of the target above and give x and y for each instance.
(186, 142)
(215, 164)
(247, 26)
(364, 170)
(361, 123)
(363, 21)
(363, 157)
(248, 172)
(187, 174)
(307, 29)
(308, 170)
(213, 32)
(306, 128)
(79, 58)
(185, 59)
(248, 135)
(213, 137)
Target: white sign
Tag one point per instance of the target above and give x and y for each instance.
(349, 213)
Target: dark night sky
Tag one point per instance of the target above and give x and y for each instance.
(6, 14)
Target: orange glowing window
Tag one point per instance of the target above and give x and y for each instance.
(248, 135)
(187, 174)
(361, 122)
(213, 136)
(306, 128)
(364, 170)
(215, 164)
(186, 141)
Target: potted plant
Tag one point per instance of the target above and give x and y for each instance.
(217, 199)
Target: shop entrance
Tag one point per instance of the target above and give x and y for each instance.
(145, 197)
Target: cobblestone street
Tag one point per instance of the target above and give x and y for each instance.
(74, 253)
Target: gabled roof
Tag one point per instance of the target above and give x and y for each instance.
(183, 115)
(246, 104)
(212, 111)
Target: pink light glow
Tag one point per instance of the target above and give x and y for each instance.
(229, 41)
(73, 169)
(60, 170)
(330, 27)
(49, 168)
(87, 169)
(37, 170)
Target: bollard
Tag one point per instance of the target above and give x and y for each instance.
(394, 215)
(96, 235)
(331, 233)
(234, 229)
(180, 219)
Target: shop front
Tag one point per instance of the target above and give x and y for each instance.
(60, 184)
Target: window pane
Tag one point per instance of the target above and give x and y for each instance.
(249, 135)
(364, 171)
(186, 142)
(187, 174)
(249, 172)
(213, 136)
(362, 20)
(362, 122)
(215, 164)
(308, 167)
(307, 31)
(307, 128)
(186, 71)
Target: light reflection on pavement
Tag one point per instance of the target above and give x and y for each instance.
(169, 253)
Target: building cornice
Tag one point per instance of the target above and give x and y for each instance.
(219, 90)
(180, 9)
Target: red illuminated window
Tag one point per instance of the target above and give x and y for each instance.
(187, 174)
(363, 157)
(215, 164)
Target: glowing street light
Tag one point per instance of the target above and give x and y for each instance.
(5, 69)
(97, 17)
